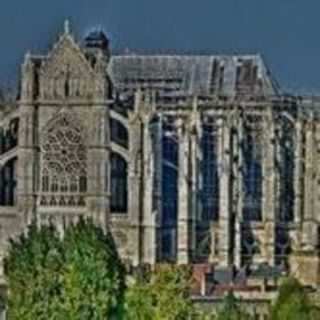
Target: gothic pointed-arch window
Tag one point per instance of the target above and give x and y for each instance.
(252, 170)
(64, 185)
(286, 171)
(209, 170)
(45, 180)
(2, 141)
(13, 130)
(208, 198)
(67, 88)
(119, 184)
(169, 189)
(54, 186)
(74, 184)
(63, 161)
(119, 133)
(83, 183)
(8, 183)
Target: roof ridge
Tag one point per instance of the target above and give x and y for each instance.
(251, 56)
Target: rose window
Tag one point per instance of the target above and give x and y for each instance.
(64, 164)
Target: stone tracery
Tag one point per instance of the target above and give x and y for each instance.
(223, 194)
(64, 163)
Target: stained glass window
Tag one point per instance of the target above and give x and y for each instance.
(170, 168)
(286, 170)
(209, 168)
(252, 171)
(8, 183)
(119, 184)
(64, 162)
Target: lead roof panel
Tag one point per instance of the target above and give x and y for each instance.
(193, 74)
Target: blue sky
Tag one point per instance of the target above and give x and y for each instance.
(285, 32)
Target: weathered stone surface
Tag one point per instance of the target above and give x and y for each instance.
(174, 177)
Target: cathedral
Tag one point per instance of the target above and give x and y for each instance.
(187, 159)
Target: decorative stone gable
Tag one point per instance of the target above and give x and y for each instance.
(67, 74)
(186, 159)
(64, 102)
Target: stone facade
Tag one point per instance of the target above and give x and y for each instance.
(187, 159)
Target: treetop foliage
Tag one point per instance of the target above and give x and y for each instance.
(78, 276)
(293, 303)
(162, 294)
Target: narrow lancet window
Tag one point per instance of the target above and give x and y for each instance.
(252, 171)
(8, 183)
(209, 173)
(119, 184)
(286, 170)
(155, 130)
(119, 133)
(209, 189)
(170, 167)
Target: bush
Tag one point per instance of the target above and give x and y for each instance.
(293, 303)
(231, 310)
(161, 295)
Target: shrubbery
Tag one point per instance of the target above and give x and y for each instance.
(293, 303)
(161, 295)
(80, 277)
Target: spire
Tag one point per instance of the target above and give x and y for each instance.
(27, 56)
(67, 27)
(195, 104)
(27, 64)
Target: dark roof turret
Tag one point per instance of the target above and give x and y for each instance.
(97, 39)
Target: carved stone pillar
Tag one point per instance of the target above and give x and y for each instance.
(225, 204)
(309, 237)
(27, 146)
(196, 174)
(136, 187)
(98, 172)
(184, 195)
(99, 146)
(237, 184)
(305, 259)
(298, 172)
(150, 212)
(269, 187)
(27, 171)
(195, 153)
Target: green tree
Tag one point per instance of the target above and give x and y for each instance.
(139, 301)
(93, 275)
(293, 303)
(161, 295)
(77, 277)
(231, 309)
(33, 269)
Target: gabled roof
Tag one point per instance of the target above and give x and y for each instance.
(193, 74)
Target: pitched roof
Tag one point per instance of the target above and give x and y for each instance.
(193, 74)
